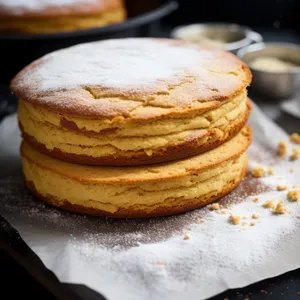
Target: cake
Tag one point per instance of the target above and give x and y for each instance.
(138, 192)
(47, 16)
(130, 102)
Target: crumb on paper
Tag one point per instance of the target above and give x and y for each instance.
(244, 223)
(235, 220)
(271, 171)
(295, 154)
(256, 199)
(252, 224)
(244, 218)
(214, 206)
(160, 262)
(295, 138)
(298, 217)
(187, 236)
(292, 170)
(258, 172)
(268, 204)
(281, 187)
(280, 208)
(255, 216)
(282, 148)
(223, 211)
(293, 195)
(212, 235)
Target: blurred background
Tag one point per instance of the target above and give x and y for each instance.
(255, 13)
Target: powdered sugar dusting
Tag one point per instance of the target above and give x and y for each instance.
(123, 63)
(150, 259)
(17, 6)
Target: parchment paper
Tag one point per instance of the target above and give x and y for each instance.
(150, 259)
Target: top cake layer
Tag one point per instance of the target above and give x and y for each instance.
(50, 8)
(133, 79)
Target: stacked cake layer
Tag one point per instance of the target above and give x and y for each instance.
(160, 123)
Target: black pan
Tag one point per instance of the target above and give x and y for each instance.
(20, 49)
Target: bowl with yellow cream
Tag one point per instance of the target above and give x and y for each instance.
(275, 68)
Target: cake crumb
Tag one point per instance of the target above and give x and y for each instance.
(160, 262)
(295, 138)
(235, 220)
(280, 208)
(293, 195)
(295, 154)
(298, 217)
(252, 224)
(268, 204)
(258, 172)
(292, 170)
(226, 299)
(223, 211)
(246, 299)
(271, 171)
(187, 236)
(215, 206)
(281, 187)
(149, 152)
(255, 216)
(244, 224)
(282, 148)
(256, 199)
(244, 218)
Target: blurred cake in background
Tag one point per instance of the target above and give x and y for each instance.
(47, 16)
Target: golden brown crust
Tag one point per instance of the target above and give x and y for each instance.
(219, 77)
(171, 206)
(75, 9)
(131, 158)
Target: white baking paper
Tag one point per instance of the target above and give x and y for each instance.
(150, 259)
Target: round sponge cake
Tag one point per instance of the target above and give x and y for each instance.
(138, 192)
(50, 16)
(132, 101)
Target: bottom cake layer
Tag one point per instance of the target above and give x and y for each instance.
(138, 192)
